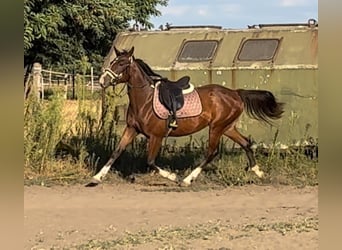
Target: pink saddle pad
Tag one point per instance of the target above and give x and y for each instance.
(192, 106)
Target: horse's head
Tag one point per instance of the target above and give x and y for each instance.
(117, 72)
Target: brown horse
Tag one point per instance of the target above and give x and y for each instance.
(221, 108)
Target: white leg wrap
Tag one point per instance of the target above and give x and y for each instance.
(192, 176)
(257, 171)
(101, 174)
(167, 174)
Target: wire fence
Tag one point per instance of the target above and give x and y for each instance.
(45, 81)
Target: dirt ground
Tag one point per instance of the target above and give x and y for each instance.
(134, 216)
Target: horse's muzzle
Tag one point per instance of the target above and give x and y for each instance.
(113, 78)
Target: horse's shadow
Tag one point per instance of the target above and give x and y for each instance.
(133, 160)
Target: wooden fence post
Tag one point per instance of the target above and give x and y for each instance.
(73, 85)
(66, 86)
(92, 79)
(50, 78)
(37, 79)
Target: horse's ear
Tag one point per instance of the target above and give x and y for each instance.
(117, 52)
(130, 53)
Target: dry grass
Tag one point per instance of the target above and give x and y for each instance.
(164, 236)
(71, 111)
(58, 172)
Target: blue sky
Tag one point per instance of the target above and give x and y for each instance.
(236, 13)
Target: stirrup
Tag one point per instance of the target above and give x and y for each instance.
(173, 124)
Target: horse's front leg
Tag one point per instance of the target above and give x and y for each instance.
(154, 145)
(127, 137)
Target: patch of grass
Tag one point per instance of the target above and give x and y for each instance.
(162, 237)
(305, 225)
(58, 172)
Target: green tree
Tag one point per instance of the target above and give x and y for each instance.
(60, 34)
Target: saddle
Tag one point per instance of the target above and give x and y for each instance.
(171, 96)
(171, 93)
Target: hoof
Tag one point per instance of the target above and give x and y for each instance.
(167, 174)
(257, 171)
(93, 183)
(261, 174)
(173, 177)
(153, 173)
(185, 183)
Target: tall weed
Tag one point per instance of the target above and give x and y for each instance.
(42, 130)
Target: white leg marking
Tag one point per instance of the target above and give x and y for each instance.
(167, 174)
(192, 176)
(257, 171)
(101, 174)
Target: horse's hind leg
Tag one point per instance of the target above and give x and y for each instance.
(154, 145)
(235, 135)
(214, 139)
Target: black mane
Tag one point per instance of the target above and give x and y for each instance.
(147, 70)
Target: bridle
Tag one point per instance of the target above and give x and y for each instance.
(116, 77)
(112, 74)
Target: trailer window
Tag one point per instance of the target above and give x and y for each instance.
(258, 49)
(195, 51)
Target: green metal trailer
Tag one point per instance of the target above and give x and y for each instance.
(281, 58)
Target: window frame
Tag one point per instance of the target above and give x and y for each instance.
(245, 40)
(193, 60)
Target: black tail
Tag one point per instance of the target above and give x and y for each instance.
(261, 105)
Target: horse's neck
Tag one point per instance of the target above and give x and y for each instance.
(140, 91)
